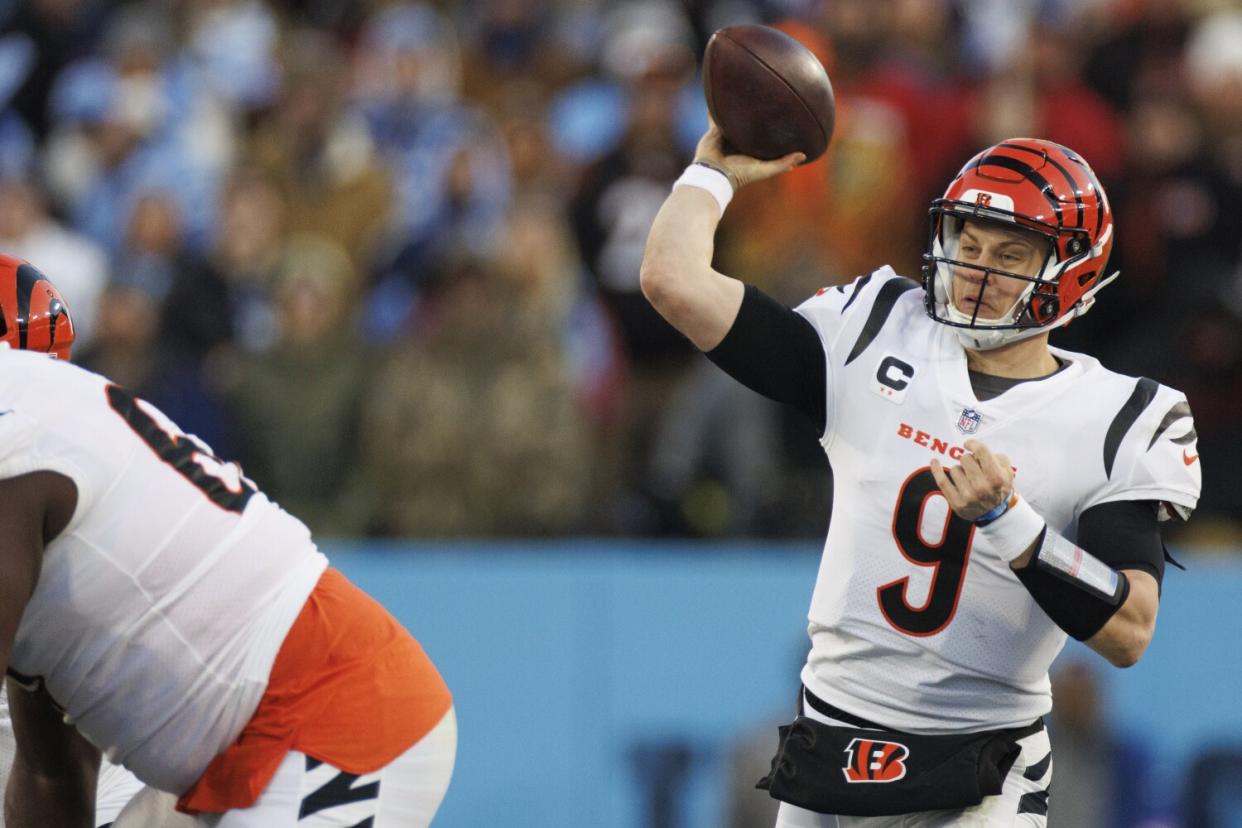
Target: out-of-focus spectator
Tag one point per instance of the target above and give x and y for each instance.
(126, 349)
(1214, 70)
(472, 426)
(1214, 65)
(713, 469)
(319, 154)
(1175, 229)
(557, 298)
(892, 59)
(18, 56)
(154, 250)
(133, 122)
(298, 403)
(448, 162)
(78, 266)
(232, 44)
(555, 295)
(992, 30)
(1039, 90)
(57, 32)
(1099, 777)
(541, 253)
(225, 298)
(641, 47)
(537, 169)
(451, 169)
(613, 210)
(514, 41)
(343, 16)
(1143, 52)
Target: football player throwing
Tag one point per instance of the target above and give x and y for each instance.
(992, 494)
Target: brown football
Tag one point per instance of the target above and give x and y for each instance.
(767, 92)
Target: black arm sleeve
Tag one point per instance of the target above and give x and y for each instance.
(775, 351)
(1125, 535)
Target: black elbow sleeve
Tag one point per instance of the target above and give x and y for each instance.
(1080, 613)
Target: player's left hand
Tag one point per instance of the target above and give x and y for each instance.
(978, 485)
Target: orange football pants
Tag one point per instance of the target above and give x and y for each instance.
(349, 687)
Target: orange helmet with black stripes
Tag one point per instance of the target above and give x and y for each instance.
(33, 315)
(1040, 187)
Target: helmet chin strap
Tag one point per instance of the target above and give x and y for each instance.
(989, 339)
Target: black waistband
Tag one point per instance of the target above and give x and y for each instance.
(837, 713)
(833, 712)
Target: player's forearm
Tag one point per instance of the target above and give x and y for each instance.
(38, 800)
(1124, 638)
(1113, 611)
(677, 275)
(1128, 630)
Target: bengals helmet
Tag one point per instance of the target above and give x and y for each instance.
(1032, 185)
(33, 316)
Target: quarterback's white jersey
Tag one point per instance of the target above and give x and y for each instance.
(915, 622)
(160, 608)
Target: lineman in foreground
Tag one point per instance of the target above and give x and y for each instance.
(158, 608)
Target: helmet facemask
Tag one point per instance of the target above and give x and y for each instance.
(1036, 307)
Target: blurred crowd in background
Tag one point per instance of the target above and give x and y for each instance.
(386, 254)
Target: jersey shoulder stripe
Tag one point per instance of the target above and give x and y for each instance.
(1149, 448)
(1179, 411)
(1144, 392)
(880, 311)
(859, 284)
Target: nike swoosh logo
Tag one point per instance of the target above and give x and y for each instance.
(1188, 458)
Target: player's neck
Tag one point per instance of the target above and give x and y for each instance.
(1027, 359)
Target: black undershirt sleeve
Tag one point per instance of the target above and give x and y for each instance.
(775, 351)
(1125, 535)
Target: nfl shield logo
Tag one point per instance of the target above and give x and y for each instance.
(968, 421)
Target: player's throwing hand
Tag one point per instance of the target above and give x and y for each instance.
(981, 483)
(740, 169)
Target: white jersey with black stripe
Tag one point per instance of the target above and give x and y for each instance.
(915, 622)
(161, 606)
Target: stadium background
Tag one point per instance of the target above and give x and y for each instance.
(386, 254)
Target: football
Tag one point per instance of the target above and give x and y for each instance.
(767, 92)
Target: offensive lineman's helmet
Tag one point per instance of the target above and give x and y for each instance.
(33, 316)
(1034, 185)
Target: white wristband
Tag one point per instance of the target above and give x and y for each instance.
(1012, 533)
(710, 179)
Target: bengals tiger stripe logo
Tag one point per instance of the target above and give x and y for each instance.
(870, 760)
